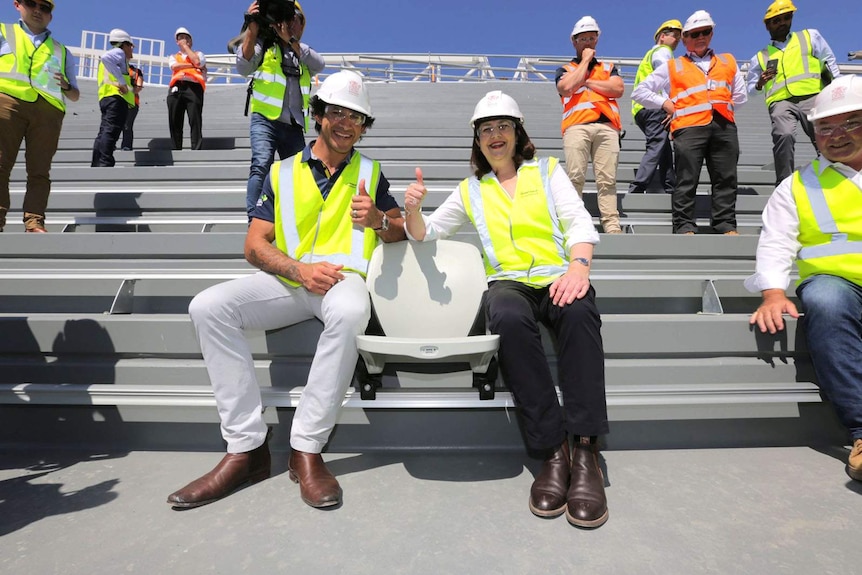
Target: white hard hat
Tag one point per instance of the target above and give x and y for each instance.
(586, 24)
(346, 89)
(118, 36)
(182, 30)
(843, 95)
(700, 19)
(494, 105)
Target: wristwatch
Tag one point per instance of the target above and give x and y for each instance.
(583, 261)
(384, 224)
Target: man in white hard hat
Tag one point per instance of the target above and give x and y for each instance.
(186, 90)
(814, 217)
(698, 92)
(281, 67)
(591, 119)
(656, 167)
(320, 215)
(790, 72)
(116, 96)
(34, 87)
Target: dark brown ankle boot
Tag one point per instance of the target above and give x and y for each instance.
(548, 493)
(587, 505)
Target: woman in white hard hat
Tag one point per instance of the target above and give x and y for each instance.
(538, 240)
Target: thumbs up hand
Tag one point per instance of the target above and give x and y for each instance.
(362, 209)
(415, 194)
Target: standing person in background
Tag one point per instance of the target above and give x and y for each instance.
(37, 75)
(791, 70)
(591, 119)
(537, 242)
(116, 96)
(657, 161)
(281, 68)
(698, 92)
(186, 90)
(137, 77)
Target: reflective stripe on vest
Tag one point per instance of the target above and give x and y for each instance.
(195, 75)
(697, 94)
(27, 72)
(500, 220)
(645, 69)
(830, 223)
(585, 106)
(270, 85)
(310, 229)
(798, 73)
(107, 85)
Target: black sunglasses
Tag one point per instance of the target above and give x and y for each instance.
(699, 33)
(44, 8)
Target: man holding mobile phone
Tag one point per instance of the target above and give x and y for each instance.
(791, 72)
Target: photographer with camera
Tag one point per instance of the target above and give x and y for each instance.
(281, 68)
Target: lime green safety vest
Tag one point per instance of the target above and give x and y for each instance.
(521, 237)
(830, 223)
(312, 229)
(798, 70)
(645, 69)
(270, 84)
(28, 72)
(109, 87)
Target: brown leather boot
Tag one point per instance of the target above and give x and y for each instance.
(34, 223)
(317, 486)
(587, 505)
(854, 462)
(235, 470)
(548, 492)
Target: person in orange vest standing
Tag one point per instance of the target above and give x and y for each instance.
(591, 119)
(699, 91)
(136, 75)
(186, 90)
(37, 77)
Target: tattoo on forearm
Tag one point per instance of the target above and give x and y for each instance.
(275, 264)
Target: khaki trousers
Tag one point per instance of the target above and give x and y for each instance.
(38, 123)
(601, 143)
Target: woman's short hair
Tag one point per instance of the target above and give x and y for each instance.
(524, 148)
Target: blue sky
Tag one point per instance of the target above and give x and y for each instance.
(538, 28)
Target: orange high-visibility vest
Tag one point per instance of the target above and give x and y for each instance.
(696, 95)
(585, 106)
(187, 74)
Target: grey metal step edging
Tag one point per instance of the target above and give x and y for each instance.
(200, 396)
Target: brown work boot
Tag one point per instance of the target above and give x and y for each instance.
(34, 223)
(731, 233)
(548, 492)
(587, 505)
(317, 486)
(235, 470)
(854, 463)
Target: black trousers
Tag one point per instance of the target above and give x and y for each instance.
(129, 129)
(114, 111)
(186, 97)
(655, 172)
(718, 144)
(514, 311)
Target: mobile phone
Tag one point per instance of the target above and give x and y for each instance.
(772, 66)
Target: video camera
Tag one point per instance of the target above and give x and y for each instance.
(269, 12)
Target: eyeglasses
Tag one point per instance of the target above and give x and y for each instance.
(698, 33)
(586, 39)
(503, 128)
(670, 32)
(44, 8)
(849, 125)
(337, 114)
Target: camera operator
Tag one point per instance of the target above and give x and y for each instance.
(281, 67)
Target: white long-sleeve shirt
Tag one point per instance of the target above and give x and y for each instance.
(650, 93)
(819, 49)
(574, 218)
(778, 244)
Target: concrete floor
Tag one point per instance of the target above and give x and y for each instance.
(747, 510)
